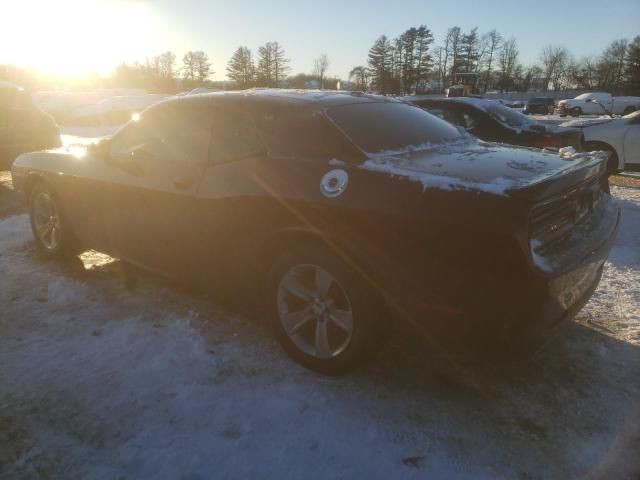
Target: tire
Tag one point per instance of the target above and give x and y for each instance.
(323, 314)
(575, 112)
(629, 110)
(51, 230)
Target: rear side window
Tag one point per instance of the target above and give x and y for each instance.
(380, 126)
(301, 132)
(234, 137)
(445, 114)
(468, 121)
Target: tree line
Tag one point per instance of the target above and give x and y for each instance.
(409, 61)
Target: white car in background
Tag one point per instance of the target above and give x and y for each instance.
(620, 136)
(598, 103)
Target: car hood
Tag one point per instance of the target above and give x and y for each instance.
(480, 166)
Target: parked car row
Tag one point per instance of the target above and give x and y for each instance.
(491, 121)
(23, 126)
(352, 215)
(598, 103)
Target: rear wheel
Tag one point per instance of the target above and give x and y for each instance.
(629, 110)
(49, 225)
(323, 314)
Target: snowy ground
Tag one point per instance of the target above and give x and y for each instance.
(105, 379)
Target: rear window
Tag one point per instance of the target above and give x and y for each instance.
(377, 127)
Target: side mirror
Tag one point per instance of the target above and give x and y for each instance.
(589, 100)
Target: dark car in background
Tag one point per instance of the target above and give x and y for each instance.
(491, 121)
(24, 127)
(349, 214)
(540, 105)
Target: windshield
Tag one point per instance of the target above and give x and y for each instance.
(509, 116)
(383, 126)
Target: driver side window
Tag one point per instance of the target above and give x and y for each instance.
(172, 132)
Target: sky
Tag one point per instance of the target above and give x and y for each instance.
(81, 36)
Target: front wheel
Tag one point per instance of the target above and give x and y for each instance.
(51, 230)
(323, 313)
(575, 112)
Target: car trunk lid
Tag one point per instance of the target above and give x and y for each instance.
(492, 168)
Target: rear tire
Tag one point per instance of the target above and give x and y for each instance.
(629, 110)
(324, 315)
(51, 230)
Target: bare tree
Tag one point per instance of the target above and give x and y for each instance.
(167, 64)
(320, 67)
(611, 65)
(196, 66)
(492, 41)
(554, 61)
(360, 76)
(452, 50)
(508, 61)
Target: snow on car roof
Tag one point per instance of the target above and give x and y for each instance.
(322, 97)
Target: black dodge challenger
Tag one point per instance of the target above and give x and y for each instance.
(353, 214)
(491, 121)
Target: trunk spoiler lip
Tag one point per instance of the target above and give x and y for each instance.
(559, 181)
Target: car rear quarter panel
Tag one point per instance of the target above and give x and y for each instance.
(403, 239)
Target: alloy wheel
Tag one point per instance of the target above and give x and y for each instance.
(314, 311)
(46, 221)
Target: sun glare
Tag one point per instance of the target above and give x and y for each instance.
(76, 37)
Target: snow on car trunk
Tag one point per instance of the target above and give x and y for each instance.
(102, 381)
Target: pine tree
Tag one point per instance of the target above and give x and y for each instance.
(265, 65)
(240, 67)
(272, 64)
(469, 53)
(421, 57)
(280, 63)
(380, 64)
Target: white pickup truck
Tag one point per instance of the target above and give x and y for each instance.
(598, 103)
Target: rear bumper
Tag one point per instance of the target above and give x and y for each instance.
(516, 316)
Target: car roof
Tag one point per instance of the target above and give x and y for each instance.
(317, 98)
